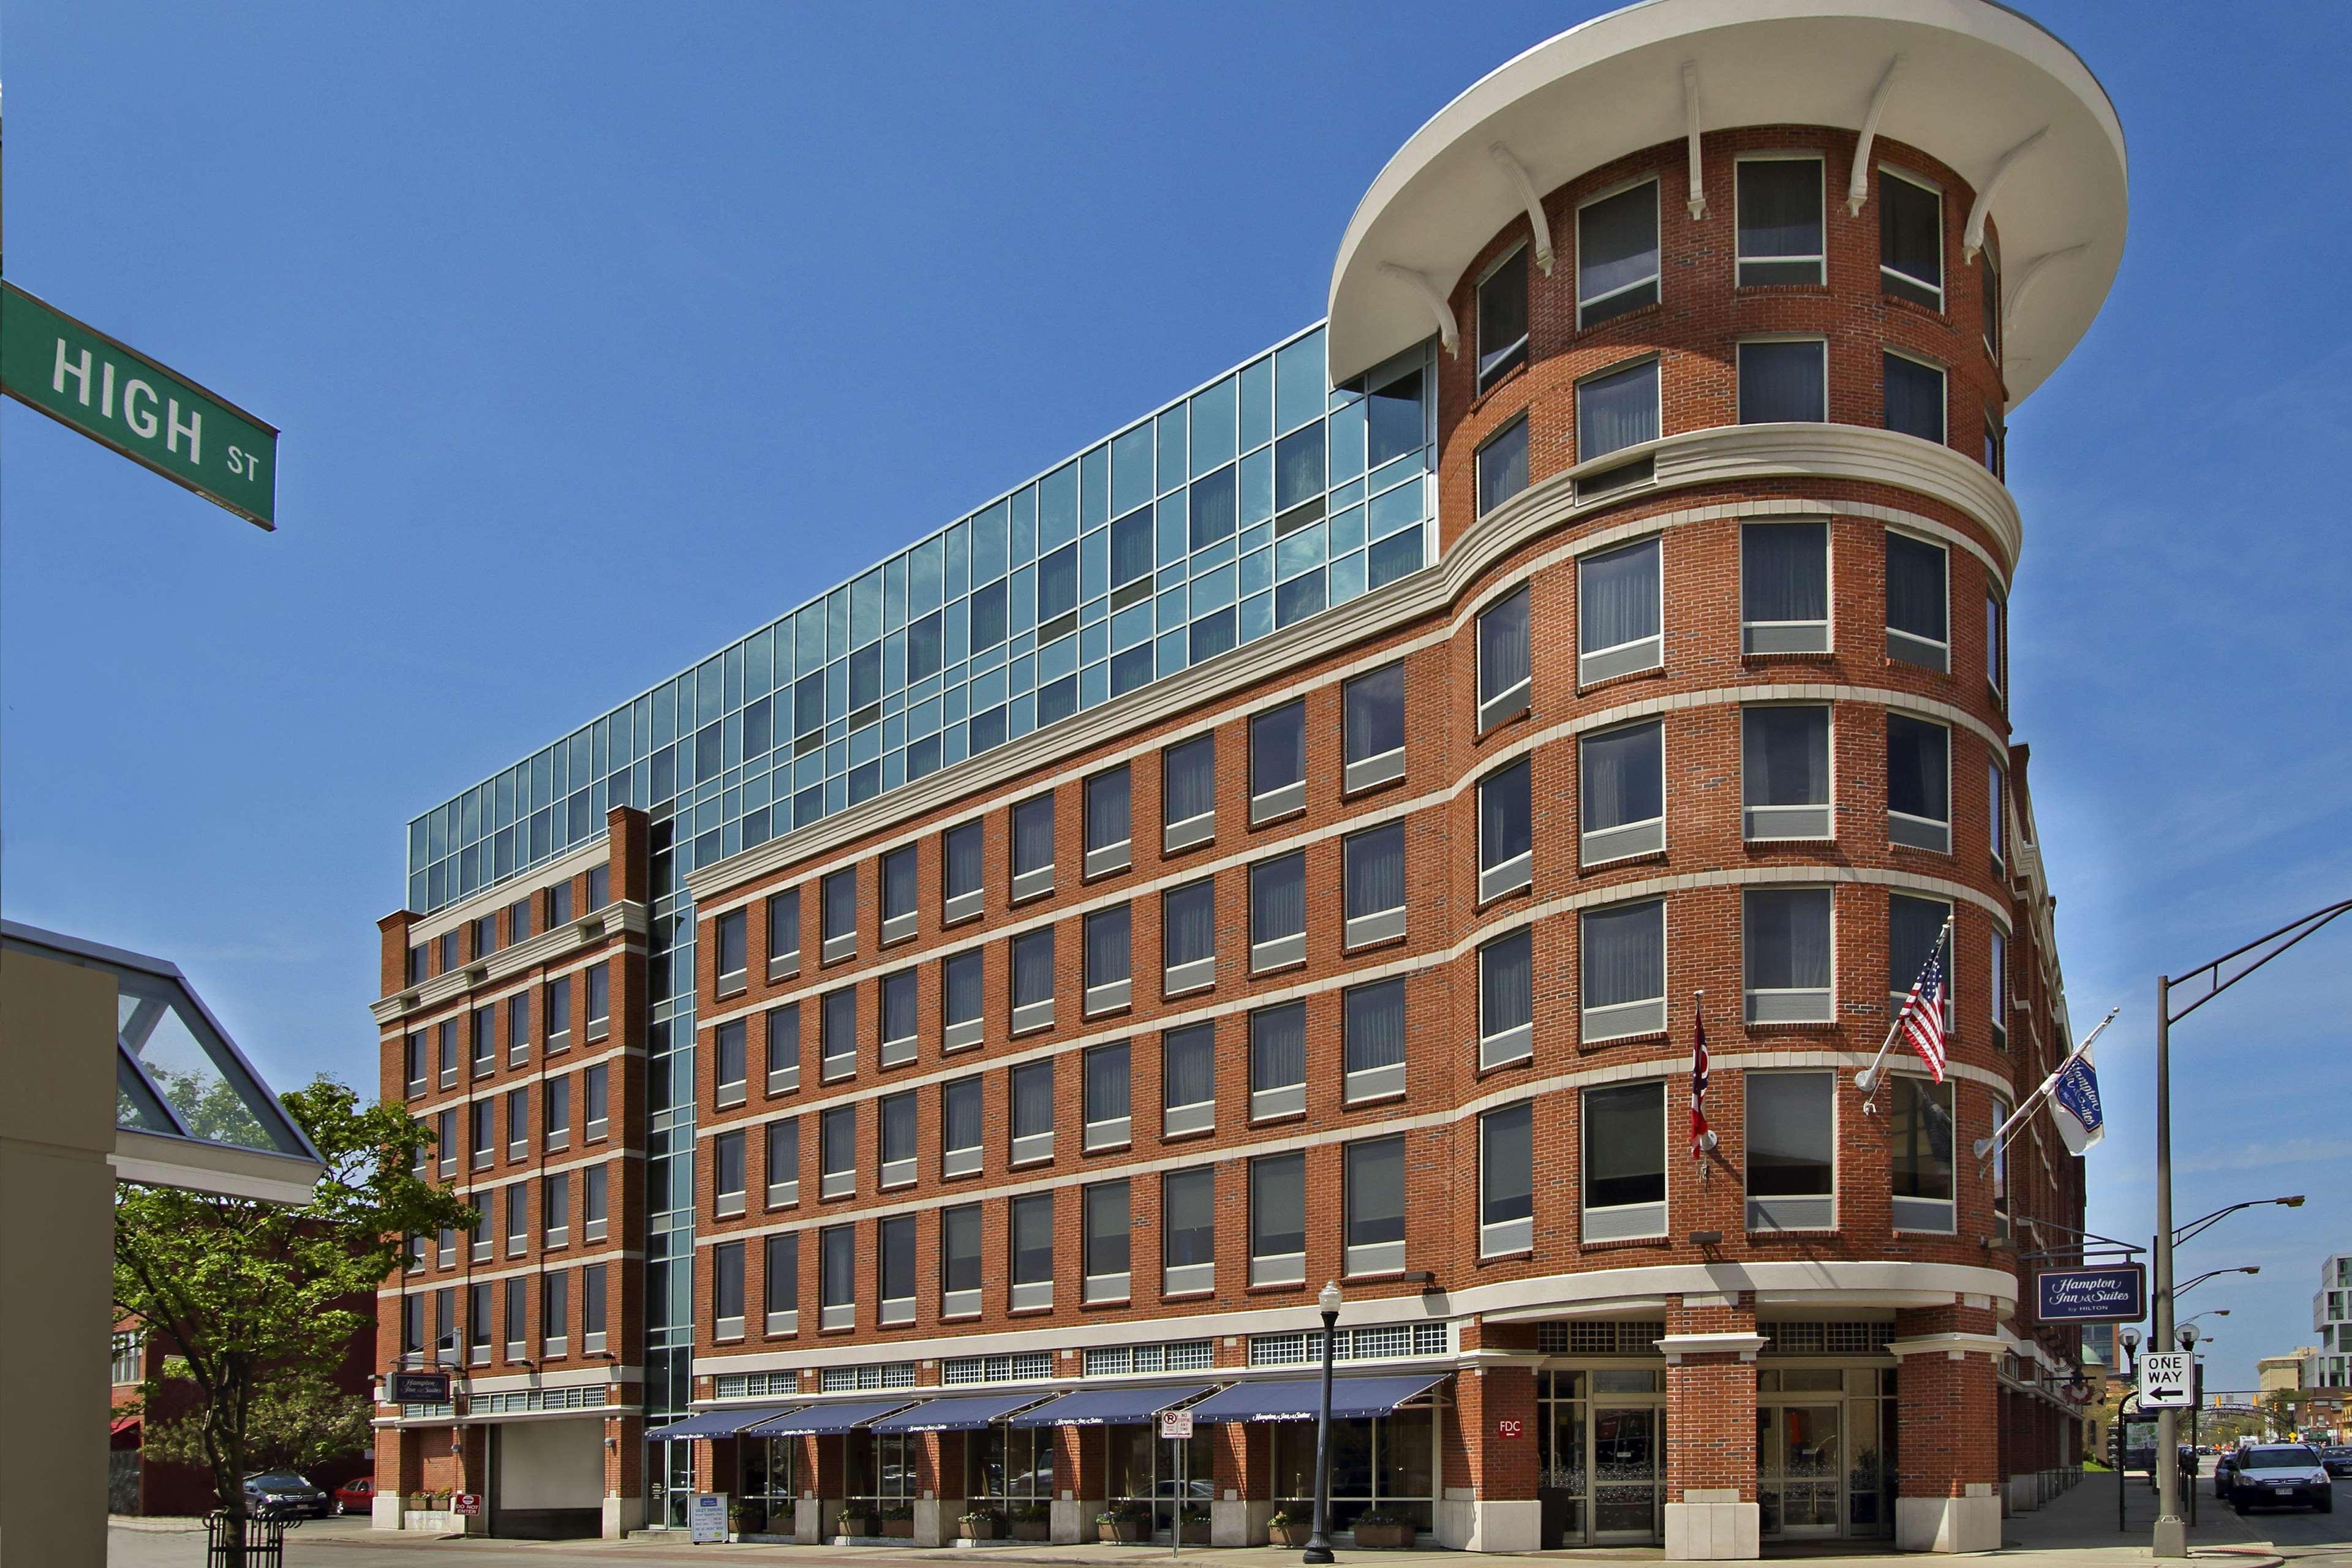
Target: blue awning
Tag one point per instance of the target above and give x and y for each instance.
(814, 1420)
(1299, 1398)
(1109, 1407)
(717, 1422)
(965, 1413)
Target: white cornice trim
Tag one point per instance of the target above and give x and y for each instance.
(621, 918)
(499, 895)
(1674, 1347)
(1952, 1345)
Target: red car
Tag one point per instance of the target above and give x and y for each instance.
(356, 1496)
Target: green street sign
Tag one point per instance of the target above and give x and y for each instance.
(119, 398)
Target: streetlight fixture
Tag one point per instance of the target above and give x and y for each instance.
(2196, 1227)
(1318, 1544)
(2181, 1290)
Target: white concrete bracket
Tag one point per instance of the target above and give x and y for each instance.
(1972, 238)
(1525, 187)
(1697, 203)
(1857, 184)
(2027, 276)
(1450, 334)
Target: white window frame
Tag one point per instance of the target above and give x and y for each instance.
(785, 1079)
(1997, 817)
(1193, 974)
(785, 1193)
(1938, 841)
(1751, 339)
(1370, 1257)
(1624, 840)
(1930, 1216)
(1784, 826)
(1941, 288)
(1593, 1029)
(1274, 1101)
(1942, 651)
(1997, 986)
(1810, 1211)
(1655, 280)
(957, 908)
(835, 947)
(1038, 880)
(1622, 1222)
(733, 980)
(1381, 766)
(1111, 1132)
(1821, 262)
(1282, 799)
(1503, 1238)
(1194, 1115)
(1290, 947)
(1027, 1017)
(899, 1049)
(784, 965)
(1601, 663)
(1523, 345)
(962, 1158)
(1519, 870)
(1513, 701)
(1273, 1267)
(1196, 829)
(1517, 1043)
(1478, 477)
(1779, 1008)
(1943, 400)
(1614, 458)
(1114, 857)
(1100, 1288)
(1112, 995)
(901, 1172)
(1365, 1084)
(1379, 925)
(961, 1034)
(901, 926)
(728, 1203)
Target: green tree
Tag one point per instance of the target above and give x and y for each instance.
(298, 1419)
(255, 1297)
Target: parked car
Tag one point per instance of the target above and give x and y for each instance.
(356, 1496)
(2288, 1475)
(286, 1494)
(2337, 1457)
(2225, 1471)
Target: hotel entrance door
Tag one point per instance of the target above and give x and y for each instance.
(1800, 1470)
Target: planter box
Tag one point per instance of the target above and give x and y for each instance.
(1288, 1535)
(1033, 1529)
(864, 1526)
(1129, 1531)
(902, 1529)
(1383, 1535)
(1195, 1533)
(978, 1529)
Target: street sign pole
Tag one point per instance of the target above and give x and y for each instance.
(2171, 1537)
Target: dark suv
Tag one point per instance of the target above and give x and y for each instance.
(2337, 1457)
(285, 1495)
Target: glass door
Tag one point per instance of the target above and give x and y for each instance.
(1800, 1470)
(1628, 1454)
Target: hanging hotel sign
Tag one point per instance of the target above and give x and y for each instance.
(2110, 1293)
(417, 1388)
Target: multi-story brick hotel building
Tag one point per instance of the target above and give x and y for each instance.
(1296, 840)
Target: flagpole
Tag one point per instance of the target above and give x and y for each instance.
(1867, 1079)
(1985, 1147)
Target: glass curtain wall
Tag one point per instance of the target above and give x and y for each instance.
(1381, 1463)
(767, 1482)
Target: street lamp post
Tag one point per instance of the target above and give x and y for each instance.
(2129, 1340)
(1318, 1544)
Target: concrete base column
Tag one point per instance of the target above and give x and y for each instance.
(1483, 1524)
(2021, 1491)
(622, 1517)
(1079, 1457)
(1950, 1489)
(1074, 1520)
(1969, 1523)
(808, 1521)
(383, 1511)
(1710, 1346)
(1713, 1523)
(1238, 1522)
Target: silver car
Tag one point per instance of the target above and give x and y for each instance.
(2282, 1475)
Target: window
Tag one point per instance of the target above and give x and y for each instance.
(1784, 381)
(1997, 645)
(478, 1244)
(1374, 718)
(519, 921)
(785, 934)
(1033, 980)
(446, 1142)
(1107, 1095)
(960, 1121)
(1033, 847)
(558, 1106)
(783, 1187)
(478, 1324)
(784, 1048)
(1910, 239)
(1188, 938)
(1278, 1061)
(2000, 1162)
(730, 933)
(519, 1029)
(1996, 809)
(1277, 1219)
(1188, 1079)
(1505, 683)
(1278, 912)
(1507, 1181)
(783, 1282)
(1188, 1232)
(448, 1040)
(898, 894)
(1109, 837)
(516, 1316)
(1106, 1259)
(1503, 464)
(600, 887)
(1914, 397)
(1919, 782)
(1996, 442)
(1502, 319)
(449, 959)
(413, 1059)
(894, 1267)
(559, 905)
(1915, 934)
(446, 1255)
(599, 1000)
(728, 1042)
(595, 1094)
(898, 1018)
(837, 1153)
(1624, 1161)
(1032, 1112)
(127, 1364)
(518, 1219)
(1784, 587)
(1997, 988)
(1786, 946)
(1372, 1039)
(1779, 202)
(1109, 959)
(1917, 617)
(1617, 254)
(1188, 794)
(1791, 1150)
(961, 889)
(1919, 1127)
(486, 1040)
(959, 1261)
(898, 1151)
(1374, 1199)
(1372, 870)
(1278, 763)
(1625, 971)
(1033, 1252)
(836, 1268)
(1507, 1000)
(1623, 786)
(727, 1173)
(836, 1032)
(839, 899)
(555, 1209)
(418, 966)
(962, 1023)
(483, 1128)
(1620, 613)
(596, 1200)
(1506, 831)
(1784, 772)
(1614, 411)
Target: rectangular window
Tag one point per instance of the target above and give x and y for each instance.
(1188, 938)
(1779, 202)
(729, 935)
(727, 1173)
(1997, 989)
(1105, 1260)
(1107, 1090)
(1786, 944)
(1278, 913)
(1188, 794)
(1505, 681)
(963, 889)
(1919, 782)
(1996, 442)
(839, 901)
(519, 1029)
(1278, 1060)
(1278, 763)
(1910, 239)
(1033, 980)
(556, 1103)
(1188, 1080)
(1996, 646)
(837, 1153)
(1502, 319)
(446, 1143)
(599, 1000)
(446, 1255)
(1784, 772)
(961, 1000)
(783, 1282)
(1374, 1202)
(419, 967)
(895, 1268)
(1109, 960)
(1506, 831)
(729, 1043)
(1109, 837)
(1372, 1039)
(596, 1202)
(1507, 1181)
(1033, 1252)
(1784, 587)
(1032, 1112)
(836, 1032)
(449, 959)
(898, 912)
(595, 1094)
(1996, 810)
(518, 1219)
(447, 1041)
(1617, 254)
(413, 1062)
(483, 1023)
(559, 905)
(785, 934)
(1989, 301)
(1999, 1159)
(1919, 1126)
(784, 1162)
(899, 1013)
(1503, 464)
(519, 921)
(836, 1268)
(1507, 1000)
(1625, 1161)
(1614, 411)
(1188, 1232)
(960, 1123)
(1620, 613)
(555, 1210)
(1033, 847)
(1791, 1150)
(517, 1316)
(600, 887)
(1277, 1219)
(591, 1310)
(1784, 381)
(1625, 979)
(784, 1048)
(1622, 782)
(959, 1261)
(1373, 874)
(1917, 610)
(1373, 718)
(1915, 934)
(897, 1141)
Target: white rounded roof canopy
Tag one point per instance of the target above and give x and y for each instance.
(1975, 83)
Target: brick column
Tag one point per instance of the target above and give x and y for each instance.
(624, 1470)
(1491, 1464)
(1711, 1505)
(1080, 1482)
(1244, 1452)
(939, 1487)
(827, 1482)
(1948, 1415)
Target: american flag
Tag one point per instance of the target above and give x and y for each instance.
(1921, 1022)
(1701, 1139)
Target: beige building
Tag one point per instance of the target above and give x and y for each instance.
(2283, 1373)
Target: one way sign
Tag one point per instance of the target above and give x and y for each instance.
(2164, 1381)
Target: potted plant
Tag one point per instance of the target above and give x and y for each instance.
(1195, 1525)
(898, 1520)
(1123, 1520)
(980, 1524)
(857, 1519)
(1378, 1527)
(1287, 1529)
(1031, 1521)
(748, 1518)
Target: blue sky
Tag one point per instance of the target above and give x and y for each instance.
(744, 298)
